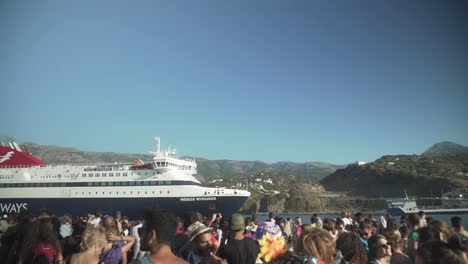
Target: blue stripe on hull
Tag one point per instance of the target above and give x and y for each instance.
(130, 207)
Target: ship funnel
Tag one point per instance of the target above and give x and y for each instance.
(158, 144)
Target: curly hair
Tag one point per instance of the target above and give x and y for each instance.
(351, 248)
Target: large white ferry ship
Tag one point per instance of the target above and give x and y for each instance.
(27, 183)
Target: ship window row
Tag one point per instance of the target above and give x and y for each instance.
(111, 174)
(86, 184)
(168, 164)
(123, 193)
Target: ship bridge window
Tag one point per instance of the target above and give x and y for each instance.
(111, 174)
(131, 183)
(168, 182)
(103, 183)
(145, 183)
(154, 182)
(90, 175)
(117, 183)
(83, 175)
(117, 174)
(97, 175)
(124, 174)
(104, 175)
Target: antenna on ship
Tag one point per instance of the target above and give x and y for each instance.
(158, 144)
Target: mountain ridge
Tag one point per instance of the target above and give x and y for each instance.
(207, 169)
(437, 170)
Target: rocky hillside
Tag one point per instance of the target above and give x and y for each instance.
(207, 169)
(445, 149)
(438, 170)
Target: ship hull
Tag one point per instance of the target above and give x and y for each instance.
(130, 207)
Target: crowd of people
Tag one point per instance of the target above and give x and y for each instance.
(161, 237)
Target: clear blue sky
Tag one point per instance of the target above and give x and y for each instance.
(332, 81)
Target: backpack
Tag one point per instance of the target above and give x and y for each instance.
(44, 254)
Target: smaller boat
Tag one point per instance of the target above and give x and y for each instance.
(453, 202)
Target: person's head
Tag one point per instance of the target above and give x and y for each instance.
(426, 234)
(97, 213)
(351, 248)
(404, 220)
(365, 231)
(316, 242)
(94, 237)
(414, 221)
(329, 225)
(395, 240)
(200, 235)
(443, 228)
(112, 230)
(44, 213)
(340, 225)
(437, 251)
(379, 247)
(298, 221)
(392, 225)
(422, 214)
(237, 223)
(159, 228)
(118, 215)
(457, 223)
(271, 215)
(108, 221)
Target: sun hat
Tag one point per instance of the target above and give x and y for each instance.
(197, 229)
(237, 222)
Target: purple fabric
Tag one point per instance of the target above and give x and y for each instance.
(112, 256)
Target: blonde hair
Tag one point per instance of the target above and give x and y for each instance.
(317, 242)
(94, 237)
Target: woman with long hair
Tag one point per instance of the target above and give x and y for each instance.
(317, 242)
(41, 244)
(351, 248)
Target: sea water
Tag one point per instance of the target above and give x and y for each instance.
(261, 217)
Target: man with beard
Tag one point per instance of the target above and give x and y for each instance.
(156, 236)
(202, 245)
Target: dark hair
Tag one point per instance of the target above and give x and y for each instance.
(435, 252)
(271, 215)
(339, 221)
(288, 258)
(413, 220)
(457, 222)
(37, 232)
(392, 225)
(427, 234)
(394, 239)
(329, 224)
(421, 213)
(161, 221)
(373, 245)
(352, 248)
